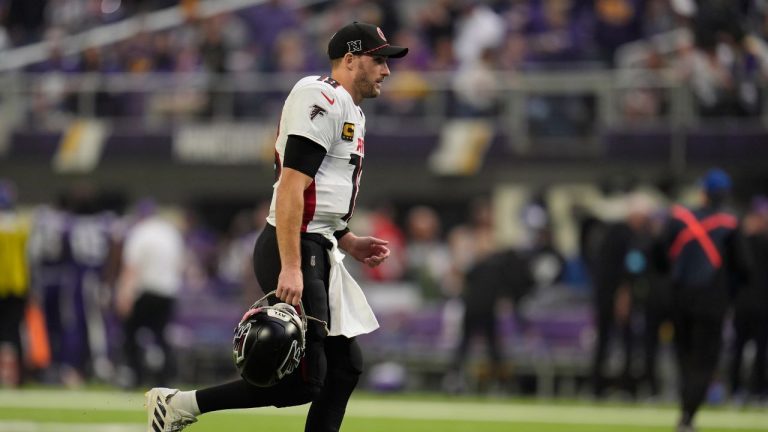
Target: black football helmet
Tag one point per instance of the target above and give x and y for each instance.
(269, 342)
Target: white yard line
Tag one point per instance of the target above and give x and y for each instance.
(480, 411)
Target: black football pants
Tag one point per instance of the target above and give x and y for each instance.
(750, 325)
(485, 325)
(332, 364)
(11, 316)
(698, 338)
(153, 312)
(606, 325)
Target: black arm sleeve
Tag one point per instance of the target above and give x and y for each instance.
(340, 233)
(303, 155)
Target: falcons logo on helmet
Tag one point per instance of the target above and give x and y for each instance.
(316, 110)
(241, 333)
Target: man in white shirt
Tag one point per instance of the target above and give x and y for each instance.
(149, 282)
(318, 158)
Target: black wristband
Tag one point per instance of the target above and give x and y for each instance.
(340, 233)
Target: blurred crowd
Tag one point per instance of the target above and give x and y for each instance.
(722, 55)
(87, 277)
(284, 36)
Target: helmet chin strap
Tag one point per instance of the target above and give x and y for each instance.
(304, 317)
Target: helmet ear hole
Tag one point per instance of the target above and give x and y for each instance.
(269, 344)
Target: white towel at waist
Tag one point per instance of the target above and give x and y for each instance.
(351, 315)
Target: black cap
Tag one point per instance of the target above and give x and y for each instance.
(362, 38)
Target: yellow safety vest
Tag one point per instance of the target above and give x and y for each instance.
(14, 266)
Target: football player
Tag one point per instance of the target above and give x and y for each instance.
(318, 160)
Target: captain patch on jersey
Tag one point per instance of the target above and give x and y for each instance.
(348, 131)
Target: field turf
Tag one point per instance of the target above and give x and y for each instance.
(58, 410)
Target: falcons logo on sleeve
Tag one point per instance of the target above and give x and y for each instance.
(316, 110)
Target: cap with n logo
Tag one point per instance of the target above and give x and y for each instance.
(362, 38)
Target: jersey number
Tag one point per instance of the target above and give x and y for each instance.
(356, 161)
(89, 243)
(328, 80)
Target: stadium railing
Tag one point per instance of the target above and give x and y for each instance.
(537, 113)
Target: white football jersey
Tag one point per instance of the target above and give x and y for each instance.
(319, 109)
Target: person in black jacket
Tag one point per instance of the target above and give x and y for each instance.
(505, 274)
(750, 321)
(607, 288)
(621, 273)
(704, 256)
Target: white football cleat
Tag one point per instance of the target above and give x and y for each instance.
(161, 416)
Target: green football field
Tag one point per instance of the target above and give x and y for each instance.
(110, 411)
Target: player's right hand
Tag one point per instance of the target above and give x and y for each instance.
(290, 285)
